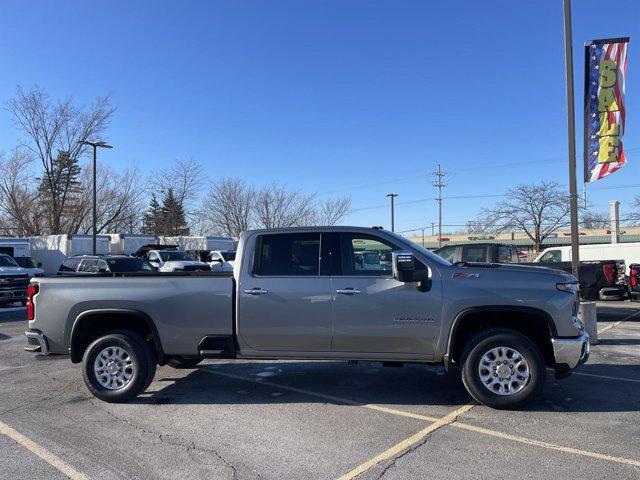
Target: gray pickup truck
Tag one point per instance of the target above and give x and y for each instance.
(308, 293)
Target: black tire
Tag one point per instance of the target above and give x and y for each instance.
(484, 342)
(142, 367)
(183, 363)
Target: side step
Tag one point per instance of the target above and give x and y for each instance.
(217, 346)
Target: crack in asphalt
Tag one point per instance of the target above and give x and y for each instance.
(174, 440)
(415, 447)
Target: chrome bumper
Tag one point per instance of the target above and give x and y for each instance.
(571, 352)
(37, 343)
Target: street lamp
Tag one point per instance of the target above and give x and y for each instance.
(95, 145)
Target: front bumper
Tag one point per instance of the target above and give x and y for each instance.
(36, 343)
(570, 353)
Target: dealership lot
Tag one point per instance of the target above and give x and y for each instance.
(292, 419)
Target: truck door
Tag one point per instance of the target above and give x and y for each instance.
(283, 302)
(373, 312)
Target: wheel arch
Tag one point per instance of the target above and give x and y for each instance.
(110, 319)
(534, 323)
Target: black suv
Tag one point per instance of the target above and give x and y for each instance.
(96, 264)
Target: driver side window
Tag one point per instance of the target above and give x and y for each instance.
(365, 255)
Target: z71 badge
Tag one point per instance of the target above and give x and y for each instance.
(464, 275)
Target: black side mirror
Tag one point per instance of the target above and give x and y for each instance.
(39, 265)
(404, 270)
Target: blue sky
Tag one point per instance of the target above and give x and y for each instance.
(341, 97)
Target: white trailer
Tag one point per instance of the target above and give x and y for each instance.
(52, 250)
(128, 244)
(199, 243)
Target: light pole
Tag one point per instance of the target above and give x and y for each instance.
(571, 137)
(392, 196)
(95, 145)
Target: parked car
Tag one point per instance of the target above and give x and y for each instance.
(599, 279)
(299, 293)
(221, 260)
(169, 258)
(480, 252)
(51, 250)
(13, 281)
(107, 264)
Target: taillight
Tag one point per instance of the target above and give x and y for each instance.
(32, 289)
(633, 278)
(609, 271)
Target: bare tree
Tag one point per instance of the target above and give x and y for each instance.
(20, 211)
(276, 206)
(227, 207)
(51, 128)
(634, 217)
(331, 211)
(480, 226)
(591, 219)
(119, 201)
(536, 209)
(186, 178)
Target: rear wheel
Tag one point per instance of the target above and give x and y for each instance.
(502, 369)
(118, 366)
(183, 363)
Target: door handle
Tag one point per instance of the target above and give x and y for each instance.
(256, 291)
(347, 291)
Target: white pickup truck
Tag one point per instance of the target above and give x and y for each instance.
(306, 293)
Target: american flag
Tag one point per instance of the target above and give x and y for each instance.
(605, 78)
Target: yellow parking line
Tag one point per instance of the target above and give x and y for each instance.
(452, 423)
(547, 445)
(42, 452)
(615, 324)
(405, 444)
(332, 398)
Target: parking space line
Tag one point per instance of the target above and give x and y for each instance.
(42, 452)
(332, 398)
(452, 423)
(607, 377)
(406, 444)
(547, 445)
(615, 324)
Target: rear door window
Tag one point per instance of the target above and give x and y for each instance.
(474, 254)
(289, 254)
(69, 265)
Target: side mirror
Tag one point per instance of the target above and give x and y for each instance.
(39, 265)
(403, 266)
(404, 270)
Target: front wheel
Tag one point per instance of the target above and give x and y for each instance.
(502, 369)
(118, 366)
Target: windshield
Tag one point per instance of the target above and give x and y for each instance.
(7, 261)
(228, 256)
(124, 265)
(171, 256)
(25, 262)
(429, 254)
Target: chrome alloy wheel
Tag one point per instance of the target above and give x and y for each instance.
(504, 371)
(114, 368)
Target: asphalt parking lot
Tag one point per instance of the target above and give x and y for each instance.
(320, 420)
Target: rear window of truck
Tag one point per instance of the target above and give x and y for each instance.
(291, 254)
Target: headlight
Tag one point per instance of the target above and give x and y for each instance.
(571, 287)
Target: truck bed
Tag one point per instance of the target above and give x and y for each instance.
(185, 307)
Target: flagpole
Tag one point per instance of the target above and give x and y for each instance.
(571, 130)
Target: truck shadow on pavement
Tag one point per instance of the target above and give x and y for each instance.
(408, 387)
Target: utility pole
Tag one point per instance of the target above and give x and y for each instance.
(423, 238)
(571, 137)
(392, 196)
(433, 226)
(439, 183)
